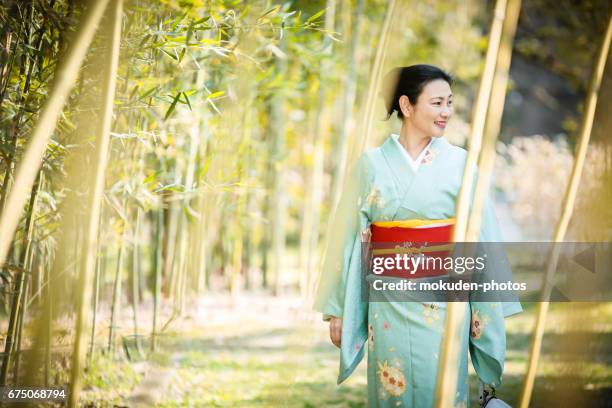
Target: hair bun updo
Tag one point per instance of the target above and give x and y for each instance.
(408, 81)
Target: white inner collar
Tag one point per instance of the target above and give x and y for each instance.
(414, 164)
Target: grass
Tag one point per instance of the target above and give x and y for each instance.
(273, 354)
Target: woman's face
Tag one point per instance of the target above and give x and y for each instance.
(433, 109)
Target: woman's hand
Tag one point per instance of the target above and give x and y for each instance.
(335, 330)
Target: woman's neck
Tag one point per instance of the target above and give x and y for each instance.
(413, 142)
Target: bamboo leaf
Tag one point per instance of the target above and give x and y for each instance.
(189, 33)
(202, 20)
(172, 106)
(205, 167)
(136, 88)
(144, 40)
(214, 106)
(315, 16)
(181, 55)
(215, 95)
(151, 177)
(173, 56)
(149, 92)
(187, 100)
(272, 10)
(178, 21)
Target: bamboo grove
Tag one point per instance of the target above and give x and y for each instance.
(185, 148)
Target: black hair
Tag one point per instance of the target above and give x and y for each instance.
(409, 81)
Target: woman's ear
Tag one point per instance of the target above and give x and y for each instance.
(405, 106)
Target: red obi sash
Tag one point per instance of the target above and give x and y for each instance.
(398, 241)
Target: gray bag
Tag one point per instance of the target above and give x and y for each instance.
(489, 400)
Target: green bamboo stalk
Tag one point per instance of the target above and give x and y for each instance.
(183, 229)
(278, 214)
(169, 245)
(32, 158)
(96, 299)
(23, 312)
(19, 285)
(493, 119)
(447, 373)
(94, 204)
(135, 280)
(159, 225)
(566, 214)
(348, 100)
(381, 52)
(6, 62)
(48, 328)
(27, 65)
(9, 64)
(307, 230)
(348, 186)
(116, 301)
(27, 262)
(237, 265)
(318, 158)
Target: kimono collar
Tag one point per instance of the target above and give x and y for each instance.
(400, 168)
(414, 163)
(397, 158)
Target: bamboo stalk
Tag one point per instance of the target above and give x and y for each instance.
(306, 233)
(566, 214)
(136, 281)
(96, 302)
(116, 301)
(183, 230)
(47, 330)
(27, 262)
(279, 200)
(447, 373)
(159, 224)
(32, 158)
(348, 187)
(11, 57)
(318, 158)
(27, 65)
(6, 62)
(493, 119)
(237, 233)
(381, 52)
(16, 316)
(94, 204)
(350, 91)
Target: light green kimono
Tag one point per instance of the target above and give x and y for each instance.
(405, 337)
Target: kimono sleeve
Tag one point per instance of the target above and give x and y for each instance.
(343, 249)
(498, 265)
(487, 342)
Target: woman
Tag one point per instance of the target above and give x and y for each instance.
(414, 178)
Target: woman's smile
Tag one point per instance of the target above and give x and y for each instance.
(441, 124)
